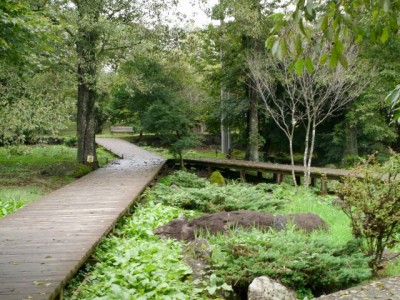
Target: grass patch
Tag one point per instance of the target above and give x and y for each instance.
(29, 172)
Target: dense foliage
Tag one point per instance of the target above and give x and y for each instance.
(311, 265)
(372, 203)
(206, 197)
(136, 264)
(133, 263)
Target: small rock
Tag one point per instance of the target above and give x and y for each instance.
(264, 288)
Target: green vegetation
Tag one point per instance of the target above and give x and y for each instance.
(29, 172)
(311, 265)
(203, 196)
(217, 178)
(134, 261)
(373, 205)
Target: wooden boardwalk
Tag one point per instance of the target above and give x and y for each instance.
(42, 245)
(330, 173)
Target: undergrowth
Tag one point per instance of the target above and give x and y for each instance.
(311, 265)
(188, 191)
(133, 263)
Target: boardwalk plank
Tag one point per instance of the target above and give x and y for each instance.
(49, 240)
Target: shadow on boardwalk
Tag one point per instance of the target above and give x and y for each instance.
(43, 244)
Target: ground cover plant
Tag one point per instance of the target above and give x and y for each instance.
(191, 192)
(133, 263)
(29, 172)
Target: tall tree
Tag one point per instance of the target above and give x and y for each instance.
(102, 30)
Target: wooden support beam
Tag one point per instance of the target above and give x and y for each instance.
(324, 186)
(243, 175)
(278, 178)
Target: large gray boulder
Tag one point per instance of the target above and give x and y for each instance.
(264, 288)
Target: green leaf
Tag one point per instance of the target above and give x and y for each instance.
(302, 29)
(393, 97)
(343, 61)
(334, 59)
(323, 59)
(269, 42)
(324, 23)
(275, 47)
(299, 66)
(309, 65)
(282, 49)
(385, 34)
(298, 44)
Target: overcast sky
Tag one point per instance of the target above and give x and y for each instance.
(193, 11)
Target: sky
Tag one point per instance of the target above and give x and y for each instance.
(192, 9)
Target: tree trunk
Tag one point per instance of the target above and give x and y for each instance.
(225, 136)
(351, 148)
(252, 126)
(86, 123)
(305, 157)
(311, 151)
(86, 44)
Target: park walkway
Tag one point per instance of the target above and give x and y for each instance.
(43, 244)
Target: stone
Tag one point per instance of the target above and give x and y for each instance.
(264, 288)
(221, 222)
(197, 254)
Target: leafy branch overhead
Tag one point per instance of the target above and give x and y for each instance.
(336, 21)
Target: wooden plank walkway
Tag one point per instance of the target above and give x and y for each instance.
(42, 245)
(330, 173)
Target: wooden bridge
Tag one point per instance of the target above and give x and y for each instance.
(42, 245)
(279, 171)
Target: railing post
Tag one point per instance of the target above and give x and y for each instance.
(324, 186)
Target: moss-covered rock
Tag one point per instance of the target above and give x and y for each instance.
(217, 178)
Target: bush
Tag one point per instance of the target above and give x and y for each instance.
(196, 193)
(184, 179)
(71, 141)
(81, 170)
(371, 199)
(307, 264)
(217, 178)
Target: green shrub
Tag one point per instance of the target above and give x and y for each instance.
(308, 264)
(184, 179)
(211, 198)
(372, 203)
(71, 141)
(81, 170)
(217, 178)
